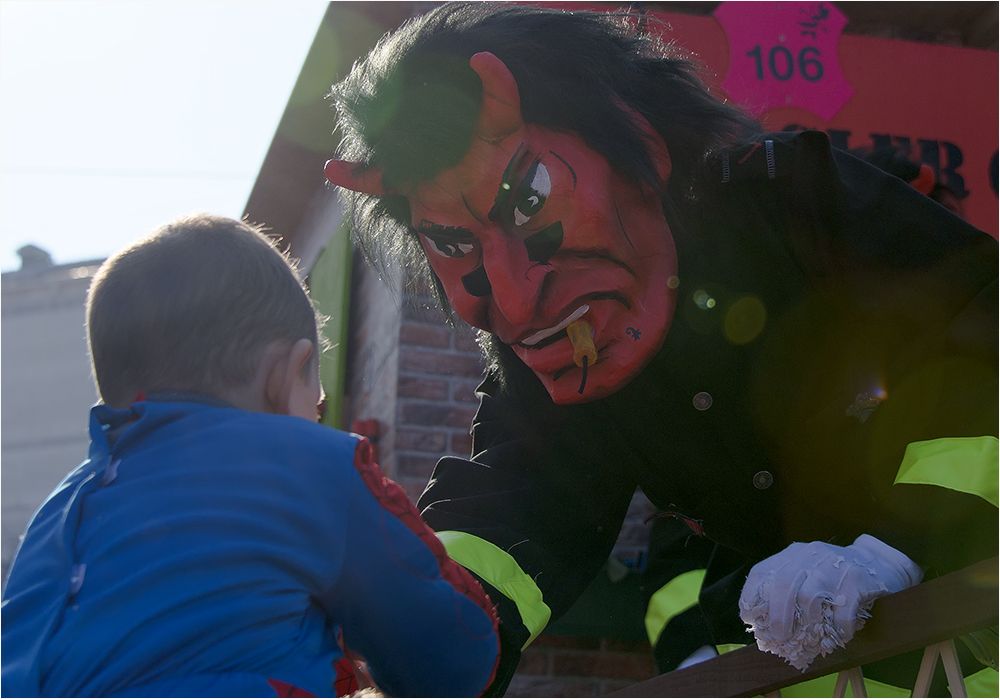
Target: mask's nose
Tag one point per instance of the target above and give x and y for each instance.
(515, 288)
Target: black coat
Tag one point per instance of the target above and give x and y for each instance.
(828, 315)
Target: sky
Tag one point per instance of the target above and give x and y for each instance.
(118, 116)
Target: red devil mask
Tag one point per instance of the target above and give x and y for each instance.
(533, 232)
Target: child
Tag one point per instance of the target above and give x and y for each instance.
(218, 541)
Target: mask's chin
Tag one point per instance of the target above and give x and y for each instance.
(565, 394)
(609, 375)
(620, 361)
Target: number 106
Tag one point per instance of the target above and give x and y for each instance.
(781, 64)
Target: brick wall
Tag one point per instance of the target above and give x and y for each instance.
(417, 376)
(439, 369)
(566, 666)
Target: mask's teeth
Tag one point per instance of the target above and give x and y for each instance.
(549, 332)
(581, 334)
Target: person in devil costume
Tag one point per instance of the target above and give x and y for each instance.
(777, 342)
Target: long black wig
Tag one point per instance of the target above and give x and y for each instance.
(410, 107)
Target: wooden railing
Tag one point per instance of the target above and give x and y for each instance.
(927, 616)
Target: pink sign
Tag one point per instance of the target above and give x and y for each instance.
(784, 54)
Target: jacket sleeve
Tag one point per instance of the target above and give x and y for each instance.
(533, 514)
(38, 584)
(904, 291)
(940, 414)
(422, 623)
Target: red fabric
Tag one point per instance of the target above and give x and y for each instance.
(346, 683)
(283, 689)
(924, 182)
(394, 499)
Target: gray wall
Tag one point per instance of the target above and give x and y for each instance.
(46, 391)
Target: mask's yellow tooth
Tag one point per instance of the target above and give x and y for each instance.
(581, 335)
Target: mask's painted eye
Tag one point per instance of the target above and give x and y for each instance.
(451, 248)
(532, 193)
(447, 241)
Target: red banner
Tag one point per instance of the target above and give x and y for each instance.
(937, 103)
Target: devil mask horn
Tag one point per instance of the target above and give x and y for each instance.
(500, 111)
(348, 175)
(499, 116)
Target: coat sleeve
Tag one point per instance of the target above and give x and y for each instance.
(423, 624)
(533, 514)
(904, 290)
(938, 276)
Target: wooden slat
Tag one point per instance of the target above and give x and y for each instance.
(935, 611)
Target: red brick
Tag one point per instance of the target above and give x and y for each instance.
(415, 466)
(548, 640)
(640, 646)
(428, 361)
(550, 687)
(461, 443)
(533, 663)
(610, 665)
(425, 335)
(414, 487)
(429, 389)
(421, 440)
(413, 413)
(464, 391)
(465, 341)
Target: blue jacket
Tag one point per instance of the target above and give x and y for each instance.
(209, 551)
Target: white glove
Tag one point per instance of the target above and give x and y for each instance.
(810, 598)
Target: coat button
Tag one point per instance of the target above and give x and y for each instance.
(762, 480)
(702, 401)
